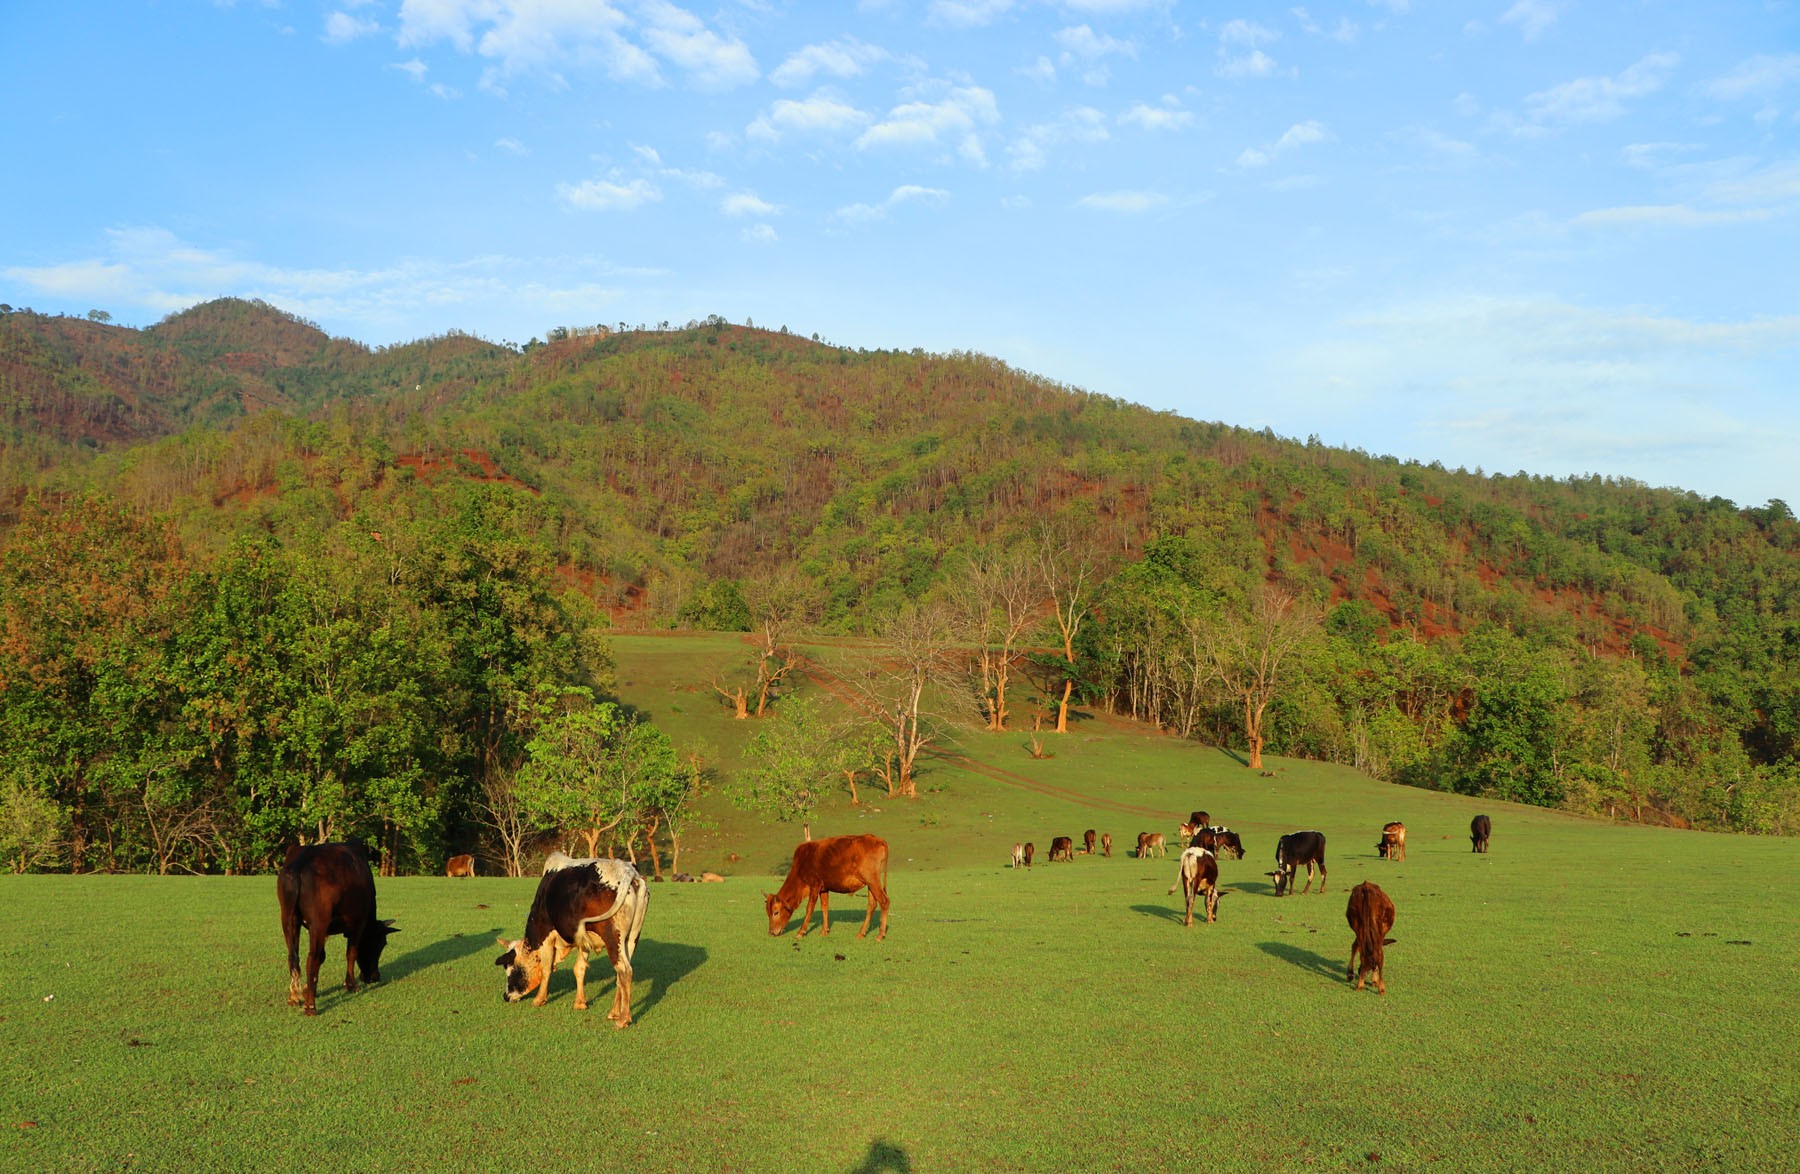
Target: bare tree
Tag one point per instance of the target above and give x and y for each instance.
(995, 601)
(894, 692)
(1066, 568)
(774, 601)
(1248, 655)
(502, 811)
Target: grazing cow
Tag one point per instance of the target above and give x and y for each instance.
(1371, 915)
(463, 865)
(585, 906)
(1293, 850)
(329, 889)
(1217, 840)
(1200, 819)
(1061, 848)
(1106, 844)
(1392, 845)
(838, 864)
(1151, 844)
(1479, 829)
(1018, 859)
(1029, 849)
(1087, 841)
(1199, 876)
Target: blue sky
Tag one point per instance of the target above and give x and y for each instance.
(1557, 236)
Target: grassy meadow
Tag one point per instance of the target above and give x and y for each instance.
(1585, 996)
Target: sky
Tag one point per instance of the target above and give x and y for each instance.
(1552, 236)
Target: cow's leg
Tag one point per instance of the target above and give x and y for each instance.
(546, 967)
(581, 963)
(877, 896)
(290, 929)
(1321, 876)
(825, 912)
(870, 915)
(315, 957)
(352, 935)
(806, 922)
(621, 963)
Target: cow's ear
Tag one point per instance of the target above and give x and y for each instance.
(387, 923)
(505, 959)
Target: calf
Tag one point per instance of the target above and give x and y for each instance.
(1018, 856)
(836, 864)
(1479, 829)
(1371, 915)
(1218, 840)
(1151, 843)
(1392, 845)
(1106, 844)
(1087, 841)
(1029, 849)
(1199, 876)
(584, 906)
(1061, 848)
(1293, 850)
(329, 889)
(463, 865)
(1200, 819)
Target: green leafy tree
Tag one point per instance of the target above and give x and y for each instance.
(789, 766)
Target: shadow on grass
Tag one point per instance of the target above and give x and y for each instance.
(447, 950)
(884, 1157)
(1304, 959)
(662, 964)
(1162, 912)
(1260, 888)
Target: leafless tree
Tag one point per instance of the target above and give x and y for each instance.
(995, 600)
(1066, 568)
(1249, 653)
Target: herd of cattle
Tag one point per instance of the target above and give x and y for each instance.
(583, 906)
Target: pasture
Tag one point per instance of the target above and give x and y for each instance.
(1584, 996)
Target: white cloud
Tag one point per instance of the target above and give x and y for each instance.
(759, 234)
(512, 146)
(1760, 77)
(1532, 16)
(905, 194)
(714, 62)
(415, 69)
(1601, 99)
(967, 14)
(1129, 203)
(1298, 135)
(1042, 71)
(603, 195)
(823, 113)
(342, 28)
(1168, 116)
(1240, 53)
(1084, 42)
(747, 204)
(1345, 30)
(1079, 124)
(1665, 216)
(961, 111)
(1246, 33)
(846, 57)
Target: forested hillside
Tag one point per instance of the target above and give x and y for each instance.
(271, 583)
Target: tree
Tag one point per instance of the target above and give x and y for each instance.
(893, 691)
(995, 600)
(565, 780)
(788, 766)
(33, 829)
(1249, 652)
(1067, 571)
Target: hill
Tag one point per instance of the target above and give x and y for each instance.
(1587, 642)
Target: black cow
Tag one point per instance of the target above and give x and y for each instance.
(1219, 840)
(1479, 829)
(329, 889)
(1293, 850)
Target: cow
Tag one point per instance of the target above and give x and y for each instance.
(1200, 819)
(1293, 850)
(1151, 843)
(1029, 849)
(329, 889)
(1061, 848)
(1217, 840)
(583, 906)
(1087, 841)
(837, 864)
(1018, 856)
(1199, 876)
(463, 865)
(1371, 915)
(1392, 845)
(1479, 829)
(1106, 844)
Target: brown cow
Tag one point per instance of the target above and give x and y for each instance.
(837, 864)
(1392, 845)
(1106, 844)
(1061, 848)
(463, 865)
(1480, 828)
(329, 889)
(1200, 819)
(1029, 849)
(585, 906)
(1199, 876)
(1087, 840)
(1371, 915)
(1151, 843)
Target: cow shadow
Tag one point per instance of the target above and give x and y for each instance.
(660, 964)
(1305, 959)
(884, 1157)
(1260, 888)
(1163, 912)
(448, 949)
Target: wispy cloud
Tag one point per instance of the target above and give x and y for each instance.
(1759, 77)
(1240, 51)
(1298, 135)
(1601, 99)
(967, 14)
(1532, 16)
(956, 114)
(1666, 216)
(825, 112)
(902, 195)
(1167, 117)
(1128, 203)
(844, 58)
(342, 28)
(605, 195)
(1030, 151)
(747, 204)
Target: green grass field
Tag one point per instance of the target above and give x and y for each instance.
(1584, 997)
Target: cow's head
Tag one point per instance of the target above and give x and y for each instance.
(779, 912)
(524, 969)
(368, 951)
(1230, 842)
(1284, 876)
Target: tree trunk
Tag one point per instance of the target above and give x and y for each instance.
(1062, 708)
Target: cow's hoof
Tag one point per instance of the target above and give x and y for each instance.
(581, 1004)
(313, 1011)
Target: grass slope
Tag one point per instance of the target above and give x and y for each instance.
(1585, 996)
